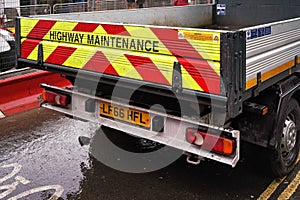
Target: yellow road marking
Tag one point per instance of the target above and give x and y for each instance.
(271, 189)
(291, 188)
(288, 192)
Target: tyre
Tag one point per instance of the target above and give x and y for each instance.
(7, 60)
(284, 157)
(7, 50)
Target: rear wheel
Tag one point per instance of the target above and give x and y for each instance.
(284, 157)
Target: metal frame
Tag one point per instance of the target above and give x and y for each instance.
(233, 53)
(84, 5)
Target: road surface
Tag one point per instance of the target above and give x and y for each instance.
(41, 158)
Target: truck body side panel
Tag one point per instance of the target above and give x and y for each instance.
(270, 50)
(146, 53)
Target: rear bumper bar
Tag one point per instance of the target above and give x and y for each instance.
(172, 134)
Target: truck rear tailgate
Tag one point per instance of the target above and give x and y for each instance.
(145, 53)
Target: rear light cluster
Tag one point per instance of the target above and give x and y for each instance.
(55, 98)
(215, 143)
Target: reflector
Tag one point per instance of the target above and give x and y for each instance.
(55, 98)
(216, 143)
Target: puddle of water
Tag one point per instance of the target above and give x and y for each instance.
(49, 154)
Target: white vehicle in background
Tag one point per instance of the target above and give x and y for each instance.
(7, 39)
(7, 50)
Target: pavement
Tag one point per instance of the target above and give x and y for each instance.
(41, 159)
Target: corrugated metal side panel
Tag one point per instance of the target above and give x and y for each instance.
(271, 49)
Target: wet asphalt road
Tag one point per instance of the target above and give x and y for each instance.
(41, 156)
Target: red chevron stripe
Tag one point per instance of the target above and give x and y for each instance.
(186, 54)
(207, 80)
(60, 55)
(99, 63)
(41, 29)
(147, 69)
(115, 29)
(38, 32)
(85, 27)
(28, 46)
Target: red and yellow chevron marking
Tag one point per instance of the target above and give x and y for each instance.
(138, 52)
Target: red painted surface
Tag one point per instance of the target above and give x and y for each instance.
(21, 93)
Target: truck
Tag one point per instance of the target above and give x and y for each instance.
(199, 78)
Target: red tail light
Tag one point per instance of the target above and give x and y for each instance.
(209, 141)
(55, 98)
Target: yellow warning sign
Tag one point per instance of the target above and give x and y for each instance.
(216, 38)
(199, 36)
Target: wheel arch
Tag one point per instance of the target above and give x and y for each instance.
(296, 96)
(287, 90)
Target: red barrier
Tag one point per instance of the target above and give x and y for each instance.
(21, 93)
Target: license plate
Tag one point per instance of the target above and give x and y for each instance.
(125, 114)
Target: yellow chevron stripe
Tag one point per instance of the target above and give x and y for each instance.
(163, 63)
(188, 82)
(58, 26)
(121, 64)
(27, 25)
(48, 48)
(34, 54)
(80, 57)
(99, 30)
(138, 31)
(216, 66)
(165, 66)
(77, 60)
(207, 52)
(207, 44)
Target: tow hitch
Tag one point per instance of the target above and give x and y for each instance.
(193, 158)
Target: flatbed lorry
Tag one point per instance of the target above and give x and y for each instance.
(199, 78)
